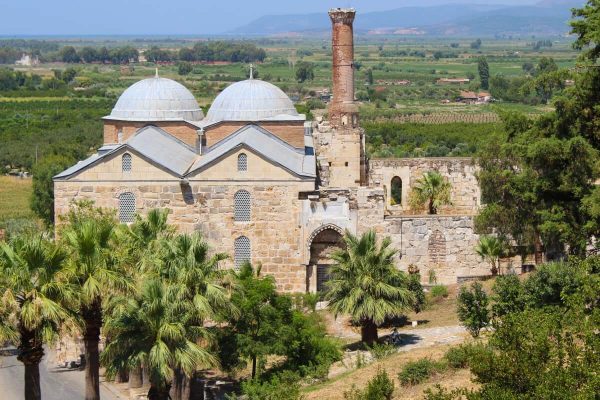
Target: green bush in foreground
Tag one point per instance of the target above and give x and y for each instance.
(381, 387)
(419, 371)
(472, 308)
(284, 386)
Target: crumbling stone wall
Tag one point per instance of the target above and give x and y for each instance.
(444, 244)
(460, 172)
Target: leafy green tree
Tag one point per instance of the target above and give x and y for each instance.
(484, 72)
(42, 197)
(159, 329)
(184, 68)
(33, 302)
(365, 284)
(491, 248)
(476, 45)
(68, 54)
(545, 183)
(432, 190)
(369, 76)
(508, 297)
(268, 324)
(262, 313)
(305, 71)
(472, 308)
(95, 271)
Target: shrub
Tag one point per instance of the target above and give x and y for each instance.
(458, 357)
(414, 285)
(438, 291)
(472, 308)
(461, 355)
(284, 386)
(419, 371)
(509, 296)
(380, 351)
(439, 393)
(381, 387)
(550, 284)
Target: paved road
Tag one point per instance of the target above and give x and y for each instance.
(57, 383)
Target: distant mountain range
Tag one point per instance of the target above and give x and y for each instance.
(546, 18)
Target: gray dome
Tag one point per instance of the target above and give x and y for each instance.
(252, 100)
(156, 99)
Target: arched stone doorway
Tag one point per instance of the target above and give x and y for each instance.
(323, 242)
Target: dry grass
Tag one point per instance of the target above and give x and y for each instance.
(335, 388)
(14, 198)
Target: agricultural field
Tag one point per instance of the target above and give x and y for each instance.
(396, 84)
(15, 194)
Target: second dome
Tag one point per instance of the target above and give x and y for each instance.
(252, 100)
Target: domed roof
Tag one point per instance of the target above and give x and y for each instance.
(252, 100)
(156, 99)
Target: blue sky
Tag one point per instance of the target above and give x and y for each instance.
(130, 17)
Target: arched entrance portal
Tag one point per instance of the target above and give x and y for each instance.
(324, 242)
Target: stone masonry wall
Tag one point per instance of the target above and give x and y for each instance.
(460, 172)
(274, 231)
(444, 244)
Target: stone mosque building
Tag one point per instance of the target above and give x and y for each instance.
(263, 184)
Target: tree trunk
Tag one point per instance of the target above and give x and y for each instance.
(494, 269)
(368, 332)
(538, 251)
(253, 367)
(30, 354)
(92, 316)
(432, 210)
(135, 377)
(180, 389)
(158, 393)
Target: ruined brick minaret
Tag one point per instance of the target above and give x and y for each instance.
(345, 154)
(342, 46)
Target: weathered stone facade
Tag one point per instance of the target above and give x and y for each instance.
(460, 172)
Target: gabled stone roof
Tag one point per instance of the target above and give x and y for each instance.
(181, 160)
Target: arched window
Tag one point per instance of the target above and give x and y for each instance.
(242, 162)
(396, 187)
(241, 206)
(126, 207)
(242, 251)
(126, 162)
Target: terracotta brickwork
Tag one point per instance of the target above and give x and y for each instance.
(291, 132)
(182, 130)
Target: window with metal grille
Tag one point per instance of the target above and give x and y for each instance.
(242, 162)
(241, 206)
(242, 251)
(126, 163)
(126, 207)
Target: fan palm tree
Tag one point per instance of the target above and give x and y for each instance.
(432, 190)
(491, 248)
(187, 263)
(95, 270)
(159, 329)
(33, 300)
(365, 284)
